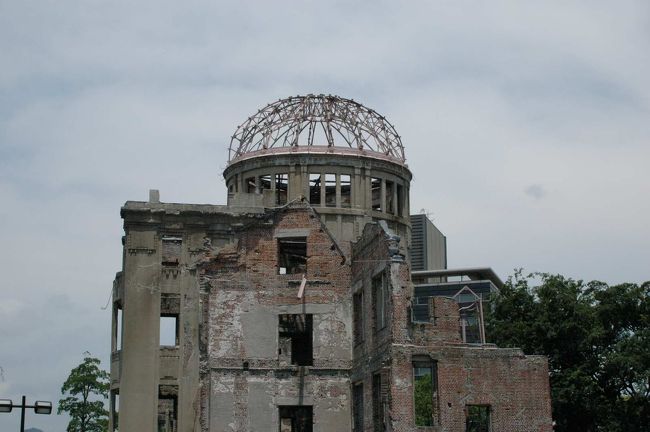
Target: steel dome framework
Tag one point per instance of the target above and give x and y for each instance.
(316, 121)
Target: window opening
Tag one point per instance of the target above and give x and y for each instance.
(296, 418)
(346, 190)
(377, 404)
(330, 190)
(265, 182)
(314, 189)
(375, 191)
(115, 406)
(478, 418)
(281, 188)
(171, 251)
(425, 392)
(390, 190)
(379, 301)
(251, 185)
(167, 410)
(296, 339)
(169, 330)
(119, 326)
(357, 407)
(357, 312)
(400, 200)
(292, 255)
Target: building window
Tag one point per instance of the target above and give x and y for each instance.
(281, 188)
(378, 403)
(115, 408)
(251, 185)
(315, 189)
(346, 190)
(357, 407)
(296, 418)
(169, 330)
(390, 190)
(167, 408)
(425, 392)
(292, 255)
(296, 339)
(118, 316)
(330, 190)
(375, 192)
(357, 312)
(379, 301)
(171, 251)
(400, 200)
(265, 182)
(478, 418)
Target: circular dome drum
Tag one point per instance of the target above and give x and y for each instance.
(317, 123)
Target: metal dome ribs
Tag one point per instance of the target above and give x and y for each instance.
(316, 121)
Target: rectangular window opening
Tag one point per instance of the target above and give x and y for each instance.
(379, 301)
(171, 250)
(425, 389)
(314, 189)
(281, 188)
(400, 200)
(478, 418)
(357, 407)
(390, 190)
(346, 191)
(375, 191)
(470, 324)
(167, 411)
(357, 312)
(292, 255)
(251, 185)
(169, 330)
(296, 418)
(377, 404)
(330, 190)
(115, 407)
(119, 326)
(265, 182)
(296, 339)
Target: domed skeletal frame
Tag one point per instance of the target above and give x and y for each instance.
(297, 120)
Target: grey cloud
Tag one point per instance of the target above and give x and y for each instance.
(535, 191)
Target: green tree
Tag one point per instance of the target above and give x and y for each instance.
(87, 387)
(597, 339)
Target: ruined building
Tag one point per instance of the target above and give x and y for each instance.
(311, 301)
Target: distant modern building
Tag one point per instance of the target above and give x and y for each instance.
(312, 300)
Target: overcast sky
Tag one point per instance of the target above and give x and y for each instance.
(526, 126)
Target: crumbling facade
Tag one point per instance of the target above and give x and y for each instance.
(293, 307)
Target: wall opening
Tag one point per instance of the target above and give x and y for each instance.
(171, 250)
(425, 392)
(330, 190)
(346, 190)
(357, 407)
(477, 418)
(118, 329)
(251, 186)
(296, 418)
(375, 193)
(292, 255)
(357, 316)
(315, 189)
(167, 409)
(115, 408)
(400, 200)
(390, 194)
(378, 404)
(296, 339)
(379, 301)
(169, 330)
(281, 188)
(265, 182)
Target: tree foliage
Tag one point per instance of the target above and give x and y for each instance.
(597, 339)
(87, 387)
